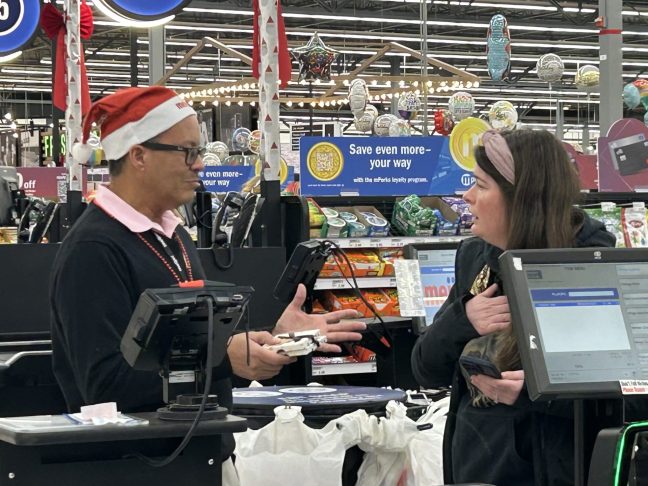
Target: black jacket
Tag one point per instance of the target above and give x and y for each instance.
(524, 444)
(98, 275)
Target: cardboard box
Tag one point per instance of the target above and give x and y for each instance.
(342, 299)
(380, 301)
(395, 307)
(388, 255)
(365, 264)
(373, 230)
(404, 225)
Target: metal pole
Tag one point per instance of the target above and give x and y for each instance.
(56, 116)
(73, 117)
(611, 57)
(424, 53)
(395, 70)
(157, 54)
(560, 120)
(133, 57)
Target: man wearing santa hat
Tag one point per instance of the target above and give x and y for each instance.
(128, 240)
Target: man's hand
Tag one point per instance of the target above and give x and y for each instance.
(505, 390)
(264, 363)
(332, 325)
(488, 314)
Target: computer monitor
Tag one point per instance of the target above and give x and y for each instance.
(580, 317)
(24, 291)
(436, 267)
(8, 186)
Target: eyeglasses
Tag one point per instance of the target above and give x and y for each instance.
(191, 153)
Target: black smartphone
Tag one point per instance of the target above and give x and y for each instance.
(479, 366)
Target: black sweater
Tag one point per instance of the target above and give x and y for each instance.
(99, 273)
(520, 445)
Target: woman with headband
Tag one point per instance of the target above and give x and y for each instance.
(523, 197)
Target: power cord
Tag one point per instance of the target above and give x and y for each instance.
(356, 288)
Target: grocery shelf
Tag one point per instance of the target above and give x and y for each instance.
(363, 283)
(391, 241)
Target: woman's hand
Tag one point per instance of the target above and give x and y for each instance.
(487, 313)
(501, 390)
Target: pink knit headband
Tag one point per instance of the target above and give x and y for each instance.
(499, 154)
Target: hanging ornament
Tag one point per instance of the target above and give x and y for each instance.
(443, 123)
(461, 105)
(382, 124)
(498, 48)
(315, 59)
(211, 159)
(241, 139)
(503, 115)
(255, 141)
(372, 109)
(399, 128)
(587, 77)
(409, 105)
(631, 96)
(220, 149)
(365, 122)
(358, 95)
(642, 86)
(550, 68)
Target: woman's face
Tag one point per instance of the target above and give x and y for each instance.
(488, 208)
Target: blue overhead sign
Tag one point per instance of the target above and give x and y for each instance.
(18, 24)
(225, 178)
(380, 166)
(147, 9)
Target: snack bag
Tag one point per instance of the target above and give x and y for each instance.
(634, 227)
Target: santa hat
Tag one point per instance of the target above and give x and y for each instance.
(128, 117)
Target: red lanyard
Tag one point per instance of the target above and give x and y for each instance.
(180, 273)
(168, 251)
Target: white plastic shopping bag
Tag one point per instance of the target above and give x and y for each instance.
(286, 452)
(397, 453)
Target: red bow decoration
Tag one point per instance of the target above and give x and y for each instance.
(285, 62)
(53, 24)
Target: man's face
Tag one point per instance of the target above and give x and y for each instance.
(171, 182)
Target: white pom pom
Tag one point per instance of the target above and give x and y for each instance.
(81, 152)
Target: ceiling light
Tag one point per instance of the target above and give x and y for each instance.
(10, 57)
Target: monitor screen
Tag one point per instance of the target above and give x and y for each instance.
(24, 291)
(581, 318)
(436, 268)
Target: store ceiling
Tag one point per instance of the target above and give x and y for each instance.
(357, 29)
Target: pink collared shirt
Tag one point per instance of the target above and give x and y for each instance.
(127, 215)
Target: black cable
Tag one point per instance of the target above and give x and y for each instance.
(230, 258)
(199, 218)
(356, 288)
(208, 378)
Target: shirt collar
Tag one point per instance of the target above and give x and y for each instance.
(130, 217)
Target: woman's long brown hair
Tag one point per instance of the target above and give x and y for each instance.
(540, 205)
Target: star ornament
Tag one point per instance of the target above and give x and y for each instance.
(315, 59)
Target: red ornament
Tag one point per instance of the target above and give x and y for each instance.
(443, 124)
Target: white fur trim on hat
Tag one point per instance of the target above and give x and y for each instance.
(158, 120)
(81, 152)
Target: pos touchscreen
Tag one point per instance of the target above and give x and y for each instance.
(580, 317)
